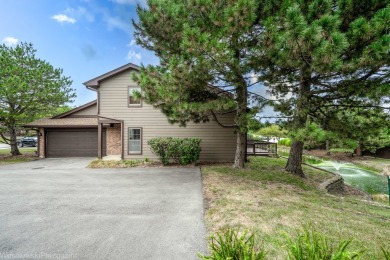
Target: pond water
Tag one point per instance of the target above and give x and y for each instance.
(367, 181)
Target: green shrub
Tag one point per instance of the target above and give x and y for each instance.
(189, 150)
(230, 244)
(162, 147)
(312, 160)
(182, 150)
(285, 142)
(312, 245)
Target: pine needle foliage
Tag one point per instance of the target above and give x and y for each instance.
(201, 44)
(320, 57)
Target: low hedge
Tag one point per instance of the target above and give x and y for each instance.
(181, 150)
(285, 142)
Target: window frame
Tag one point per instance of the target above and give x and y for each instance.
(140, 140)
(128, 96)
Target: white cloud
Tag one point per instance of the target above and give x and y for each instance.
(62, 18)
(114, 22)
(10, 41)
(134, 56)
(132, 43)
(80, 13)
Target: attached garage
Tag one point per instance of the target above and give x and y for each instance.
(72, 134)
(73, 142)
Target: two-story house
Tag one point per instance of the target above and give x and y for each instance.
(119, 124)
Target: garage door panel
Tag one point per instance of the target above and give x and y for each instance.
(73, 143)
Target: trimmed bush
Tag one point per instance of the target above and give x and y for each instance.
(285, 142)
(182, 150)
(161, 146)
(189, 150)
(230, 244)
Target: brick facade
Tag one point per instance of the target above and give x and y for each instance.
(41, 144)
(113, 139)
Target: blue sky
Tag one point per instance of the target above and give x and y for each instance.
(84, 37)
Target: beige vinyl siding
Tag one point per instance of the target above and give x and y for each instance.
(218, 144)
(89, 111)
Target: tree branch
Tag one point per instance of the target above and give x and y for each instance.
(219, 123)
(227, 112)
(5, 140)
(357, 106)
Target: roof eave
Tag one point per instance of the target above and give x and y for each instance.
(60, 126)
(74, 110)
(94, 83)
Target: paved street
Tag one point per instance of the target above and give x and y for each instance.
(4, 146)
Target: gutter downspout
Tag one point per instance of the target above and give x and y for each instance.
(122, 140)
(100, 135)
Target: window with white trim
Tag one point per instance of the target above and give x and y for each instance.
(135, 141)
(134, 100)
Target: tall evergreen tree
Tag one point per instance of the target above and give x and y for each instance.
(200, 43)
(370, 128)
(319, 54)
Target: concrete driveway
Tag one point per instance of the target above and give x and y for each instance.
(56, 208)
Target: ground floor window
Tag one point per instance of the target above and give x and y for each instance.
(135, 140)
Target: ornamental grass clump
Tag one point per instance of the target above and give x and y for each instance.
(311, 245)
(232, 244)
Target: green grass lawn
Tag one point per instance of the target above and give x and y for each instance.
(28, 154)
(98, 163)
(267, 200)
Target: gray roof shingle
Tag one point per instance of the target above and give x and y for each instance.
(64, 122)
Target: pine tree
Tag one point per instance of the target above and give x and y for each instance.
(321, 54)
(201, 44)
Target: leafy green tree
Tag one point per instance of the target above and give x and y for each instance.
(318, 54)
(56, 111)
(201, 44)
(29, 87)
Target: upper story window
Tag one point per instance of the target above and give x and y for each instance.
(134, 100)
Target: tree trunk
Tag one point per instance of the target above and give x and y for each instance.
(359, 149)
(294, 163)
(242, 124)
(13, 141)
(240, 157)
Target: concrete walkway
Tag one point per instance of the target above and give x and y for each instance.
(56, 208)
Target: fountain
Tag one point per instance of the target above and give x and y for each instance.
(364, 180)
